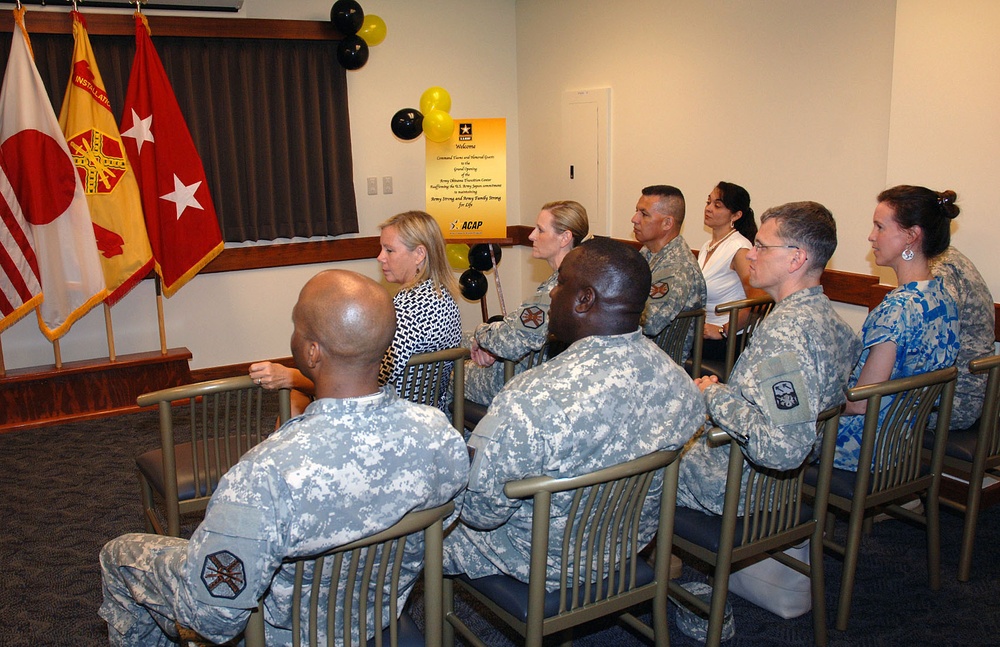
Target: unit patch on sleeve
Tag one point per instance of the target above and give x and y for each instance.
(223, 575)
(532, 317)
(659, 289)
(785, 396)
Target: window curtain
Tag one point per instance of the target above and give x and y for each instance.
(269, 118)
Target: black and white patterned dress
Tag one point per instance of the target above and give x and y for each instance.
(425, 322)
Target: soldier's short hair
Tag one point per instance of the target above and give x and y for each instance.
(808, 225)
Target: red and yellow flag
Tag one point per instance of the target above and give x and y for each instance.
(47, 236)
(112, 191)
(180, 217)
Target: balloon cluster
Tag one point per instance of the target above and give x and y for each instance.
(474, 261)
(360, 32)
(433, 118)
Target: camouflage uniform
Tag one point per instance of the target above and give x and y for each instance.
(796, 365)
(976, 314)
(604, 400)
(343, 470)
(521, 331)
(678, 285)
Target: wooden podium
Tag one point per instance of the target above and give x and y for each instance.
(41, 395)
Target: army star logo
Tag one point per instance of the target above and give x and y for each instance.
(533, 317)
(785, 396)
(223, 575)
(659, 289)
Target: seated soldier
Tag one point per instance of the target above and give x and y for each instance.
(354, 463)
(610, 397)
(796, 364)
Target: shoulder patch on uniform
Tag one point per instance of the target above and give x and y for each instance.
(533, 317)
(224, 575)
(785, 396)
(659, 289)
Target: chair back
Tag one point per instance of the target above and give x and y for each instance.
(749, 312)
(893, 446)
(368, 573)
(601, 535)
(427, 379)
(674, 339)
(220, 420)
(989, 422)
(530, 360)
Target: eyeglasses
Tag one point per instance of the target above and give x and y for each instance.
(759, 248)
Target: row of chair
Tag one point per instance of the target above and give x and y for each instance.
(776, 513)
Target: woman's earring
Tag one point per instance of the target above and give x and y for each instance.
(907, 254)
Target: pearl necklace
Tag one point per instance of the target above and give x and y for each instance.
(710, 247)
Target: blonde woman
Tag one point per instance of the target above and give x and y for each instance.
(427, 317)
(559, 228)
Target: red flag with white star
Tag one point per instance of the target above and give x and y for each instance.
(180, 217)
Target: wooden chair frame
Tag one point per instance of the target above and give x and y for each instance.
(774, 518)
(673, 339)
(752, 311)
(426, 380)
(372, 577)
(614, 495)
(985, 459)
(225, 420)
(894, 449)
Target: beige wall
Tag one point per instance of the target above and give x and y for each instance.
(794, 99)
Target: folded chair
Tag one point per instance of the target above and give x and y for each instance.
(971, 454)
(673, 339)
(604, 521)
(775, 516)
(224, 418)
(370, 567)
(751, 312)
(427, 376)
(894, 451)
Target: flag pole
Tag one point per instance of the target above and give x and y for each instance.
(110, 332)
(3, 368)
(57, 353)
(159, 314)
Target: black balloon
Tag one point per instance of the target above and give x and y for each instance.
(479, 256)
(347, 16)
(352, 52)
(407, 123)
(473, 285)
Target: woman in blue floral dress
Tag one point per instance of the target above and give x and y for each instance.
(915, 328)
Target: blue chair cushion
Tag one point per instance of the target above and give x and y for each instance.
(961, 442)
(150, 465)
(705, 529)
(512, 595)
(409, 633)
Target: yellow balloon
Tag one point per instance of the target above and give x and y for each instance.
(435, 98)
(458, 256)
(438, 126)
(372, 30)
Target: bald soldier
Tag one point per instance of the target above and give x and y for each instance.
(351, 465)
(577, 413)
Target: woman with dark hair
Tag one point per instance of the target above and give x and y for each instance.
(915, 328)
(723, 259)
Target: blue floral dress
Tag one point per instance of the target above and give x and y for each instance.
(922, 319)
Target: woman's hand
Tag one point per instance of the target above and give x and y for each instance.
(481, 356)
(272, 376)
(713, 331)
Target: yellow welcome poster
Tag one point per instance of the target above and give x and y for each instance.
(467, 181)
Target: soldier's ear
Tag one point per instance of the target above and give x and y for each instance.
(585, 300)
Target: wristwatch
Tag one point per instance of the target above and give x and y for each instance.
(722, 331)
